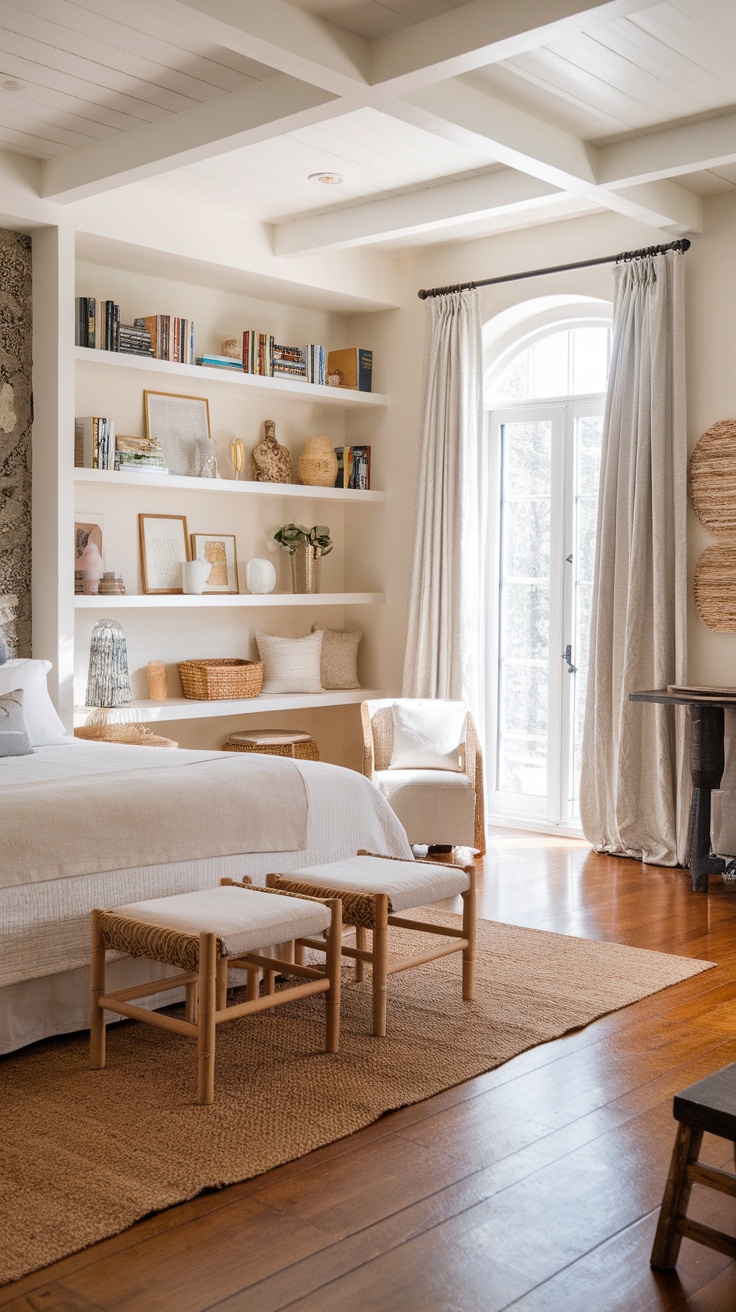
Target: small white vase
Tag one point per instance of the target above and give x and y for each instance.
(260, 575)
(194, 575)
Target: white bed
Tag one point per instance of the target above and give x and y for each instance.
(44, 923)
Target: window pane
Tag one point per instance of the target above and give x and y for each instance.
(524, 699)
(590, 360)
(513, 383)
(522, 766)
(588, 437)
(526, 539)
(527, 459)
(525, 620)
(549, 366)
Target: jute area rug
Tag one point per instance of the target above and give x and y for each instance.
(85, 1153)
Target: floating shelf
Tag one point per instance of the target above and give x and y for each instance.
(185, 708)
(144, 370)
(211, 601)
(116, 478)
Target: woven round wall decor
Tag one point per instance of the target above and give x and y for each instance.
(715, 587)
(713, 478)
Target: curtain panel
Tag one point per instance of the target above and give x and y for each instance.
(445, 627)
(635, 785)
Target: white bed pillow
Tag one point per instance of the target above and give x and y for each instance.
(428, 735)
(42, 722)
(290, 664)
(14, 740)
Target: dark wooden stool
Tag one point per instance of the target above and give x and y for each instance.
(708, 1105)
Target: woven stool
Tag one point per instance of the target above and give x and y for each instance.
(205, 934)
(274, 742)
(709, 1105)
(372, 889)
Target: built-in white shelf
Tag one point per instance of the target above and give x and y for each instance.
(146, 370)
(246, 487)
(212, 600)
(185, 708)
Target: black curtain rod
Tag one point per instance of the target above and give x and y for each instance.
(682, 245)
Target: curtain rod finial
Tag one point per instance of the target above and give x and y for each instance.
(422, 295)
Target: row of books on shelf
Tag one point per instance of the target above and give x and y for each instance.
(157, 336)
(98, 446)
(353, 467)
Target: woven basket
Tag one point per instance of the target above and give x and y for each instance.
(138, 735)
(302, 748)
(221, 680)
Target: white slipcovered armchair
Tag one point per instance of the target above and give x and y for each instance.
(425, 757)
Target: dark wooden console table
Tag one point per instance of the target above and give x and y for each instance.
(706, 770)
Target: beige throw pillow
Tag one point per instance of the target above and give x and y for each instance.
(290, 664)
(339, 657)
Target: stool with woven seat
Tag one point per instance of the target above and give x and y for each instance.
(372, 890)
(205, 934)
(274, 742)
(709, 1105)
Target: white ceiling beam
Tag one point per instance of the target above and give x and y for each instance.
(428, 209)
(669, 153)
(261, 111)
(283, 37)
(522, 141)
(481, 33)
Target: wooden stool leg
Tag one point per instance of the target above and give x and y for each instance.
(96, 991)
(190, 1004)
(222, 983)
(469, 923)
(300, 953)
(333, 966)
(676, 1197)
(359, 943)
(252, 984)
(380, 963)
(206, 1023)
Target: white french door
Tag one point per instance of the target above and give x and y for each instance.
(545, 486)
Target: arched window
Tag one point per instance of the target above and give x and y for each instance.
(546, 375)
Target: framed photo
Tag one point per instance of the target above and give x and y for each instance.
(164, 548)
(178, 423)
(219, 549)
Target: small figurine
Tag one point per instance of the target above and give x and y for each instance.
(271, 461)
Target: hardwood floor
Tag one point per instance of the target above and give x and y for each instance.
(535, 1186)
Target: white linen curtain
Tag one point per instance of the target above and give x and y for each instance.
(445, 620)
(634, 786)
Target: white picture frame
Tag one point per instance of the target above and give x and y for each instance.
(164, 549)
(220, 549)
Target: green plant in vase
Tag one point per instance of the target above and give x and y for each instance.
(306, 546)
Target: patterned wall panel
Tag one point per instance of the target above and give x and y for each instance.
(15, 438)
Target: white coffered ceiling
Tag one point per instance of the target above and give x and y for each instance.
(445, 120)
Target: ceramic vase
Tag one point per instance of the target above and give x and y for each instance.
(317, 463)
(260, 576)
(194, 575)
(108, 681)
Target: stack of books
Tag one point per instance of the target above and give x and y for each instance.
(94, 442)
(134, 341)
(288, 361)
(257, 353)
(220, 362)
(316, 357)
(140, 455)
(172, 338)
(353, 467)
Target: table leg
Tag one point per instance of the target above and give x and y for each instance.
(706, 768)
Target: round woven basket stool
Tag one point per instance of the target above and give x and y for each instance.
(275, 742)
(139, 735)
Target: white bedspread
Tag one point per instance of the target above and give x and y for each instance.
(44, 926)
(77, 808)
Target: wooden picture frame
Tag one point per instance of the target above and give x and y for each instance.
(178, 423)
(164, 549)
(221, 550)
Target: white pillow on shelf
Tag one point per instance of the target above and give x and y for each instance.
(290, 664)
(428, 735)
(42, 722)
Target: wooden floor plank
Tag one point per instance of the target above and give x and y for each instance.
(535, 1186)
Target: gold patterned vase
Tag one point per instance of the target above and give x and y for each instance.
(317, 463)
(305, 563)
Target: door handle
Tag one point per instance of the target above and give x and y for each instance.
(567, 656)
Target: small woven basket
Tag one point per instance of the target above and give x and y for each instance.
(221, 680)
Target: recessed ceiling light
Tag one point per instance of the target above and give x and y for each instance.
(326, 179)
